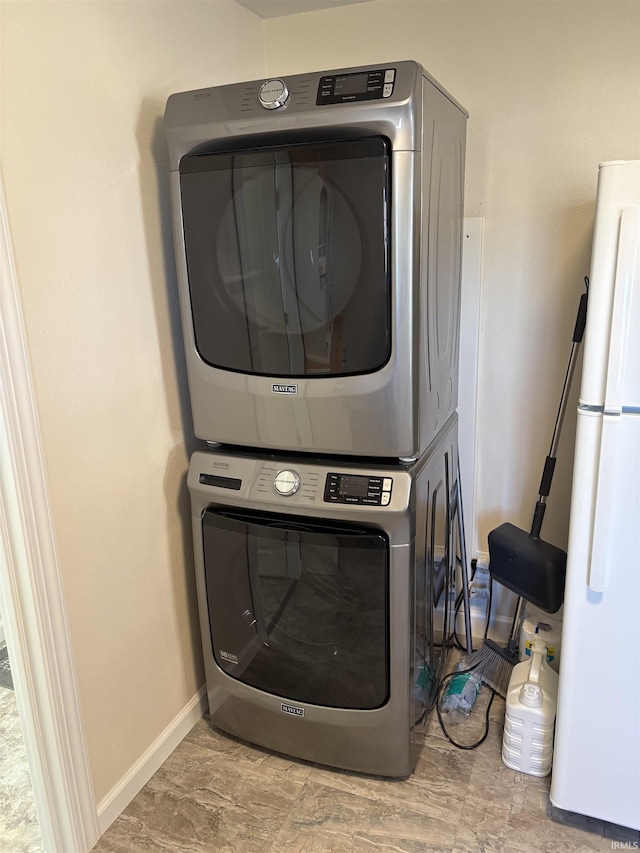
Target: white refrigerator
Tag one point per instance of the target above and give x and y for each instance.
(596, 762)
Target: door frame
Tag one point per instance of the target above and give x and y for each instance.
(32, 597)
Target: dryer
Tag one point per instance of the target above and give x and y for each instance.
(318, 224)
(318, 582)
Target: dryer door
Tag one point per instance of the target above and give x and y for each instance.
(299, 609)
(287, 254)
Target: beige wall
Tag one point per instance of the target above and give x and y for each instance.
(552, 88)
(83, 161)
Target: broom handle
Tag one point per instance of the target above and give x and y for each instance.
(550, 461)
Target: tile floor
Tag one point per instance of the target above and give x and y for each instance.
(216, 793)
(19, 831)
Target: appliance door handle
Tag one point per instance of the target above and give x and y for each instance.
(626, 282)
(604, 498)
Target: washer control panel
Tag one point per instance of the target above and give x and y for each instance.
(288, 484)
(358, 489)
(361, 86)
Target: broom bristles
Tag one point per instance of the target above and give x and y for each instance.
(492, 665)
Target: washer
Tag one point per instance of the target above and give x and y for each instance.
(318, 582)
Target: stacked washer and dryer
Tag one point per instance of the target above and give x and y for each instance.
(318, 227)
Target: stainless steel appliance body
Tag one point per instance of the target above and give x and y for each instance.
(318, 225)
(317, 584)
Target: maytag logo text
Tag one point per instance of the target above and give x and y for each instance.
(284, 389)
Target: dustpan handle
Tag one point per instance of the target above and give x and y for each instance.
(538, 518)
(578, 333)
(550, 461)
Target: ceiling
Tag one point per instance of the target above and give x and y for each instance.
(279, 8)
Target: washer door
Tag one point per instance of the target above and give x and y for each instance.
(299, 609)
(287, 253)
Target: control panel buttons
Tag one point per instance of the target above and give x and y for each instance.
(273, 94)
(358, 489)
(287, 482)
(358, 86)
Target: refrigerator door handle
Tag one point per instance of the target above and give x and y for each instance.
(604, 497)
(626, 281)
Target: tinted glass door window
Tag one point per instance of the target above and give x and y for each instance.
(287, 256)
(299, 610)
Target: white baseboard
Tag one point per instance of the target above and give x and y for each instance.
(126, 789)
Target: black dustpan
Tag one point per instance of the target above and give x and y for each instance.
(527, 565)
(521, 561)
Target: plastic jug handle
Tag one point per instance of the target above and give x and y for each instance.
(534, 671)
(538, 654)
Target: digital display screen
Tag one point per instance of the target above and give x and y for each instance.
(354, 486)
(351, 84)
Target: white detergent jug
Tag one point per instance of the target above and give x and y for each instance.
(527, 744)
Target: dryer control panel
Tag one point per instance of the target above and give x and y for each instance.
(359, 86)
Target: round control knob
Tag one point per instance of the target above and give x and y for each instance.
(286, 483)
(273, 94)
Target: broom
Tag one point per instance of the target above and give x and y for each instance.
(523, 562)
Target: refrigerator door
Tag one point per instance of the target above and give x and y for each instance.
(618, 188)
(596, 765)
